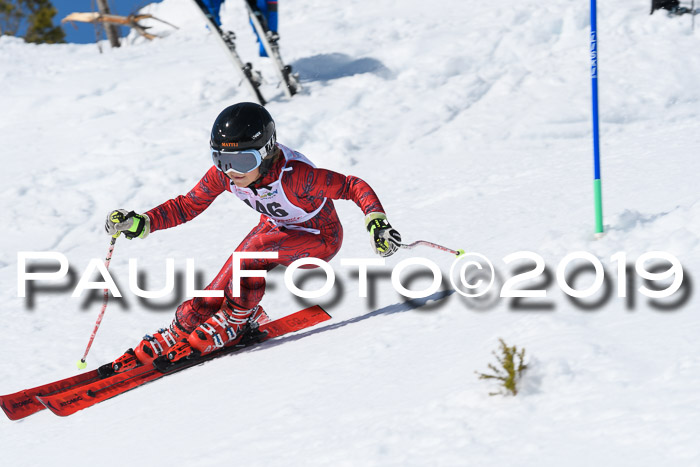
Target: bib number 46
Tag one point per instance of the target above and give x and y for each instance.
(271, 209)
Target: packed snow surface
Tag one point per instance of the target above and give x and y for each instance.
(472, 122)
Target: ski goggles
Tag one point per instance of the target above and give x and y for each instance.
(240, 162)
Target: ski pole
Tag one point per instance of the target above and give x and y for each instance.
(81, 363)
(409, 246)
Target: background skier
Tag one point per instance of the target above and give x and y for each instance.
(265, 10)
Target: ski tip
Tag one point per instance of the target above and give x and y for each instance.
(11, 414)
(20, 405)
(56, 411)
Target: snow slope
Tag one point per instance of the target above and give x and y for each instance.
(472, 123)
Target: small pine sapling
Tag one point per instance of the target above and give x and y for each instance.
(510, 372)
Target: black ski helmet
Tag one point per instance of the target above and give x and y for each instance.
(245, 125)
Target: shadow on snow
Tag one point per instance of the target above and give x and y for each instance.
(326, 67)
(387, 310)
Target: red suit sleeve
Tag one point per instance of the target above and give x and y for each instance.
(306, 187)
(184, 208)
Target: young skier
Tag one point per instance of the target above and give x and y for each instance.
(297, 220)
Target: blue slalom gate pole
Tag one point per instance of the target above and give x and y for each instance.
(597, 188)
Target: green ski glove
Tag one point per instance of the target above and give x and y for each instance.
(131, 224)
(385, 239)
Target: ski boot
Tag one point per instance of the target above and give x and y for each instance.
(150, 348)
(226, 327)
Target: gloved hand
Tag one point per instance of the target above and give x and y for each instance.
(385, 239)
(131, 224)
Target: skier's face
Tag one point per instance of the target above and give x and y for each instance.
(243, 180)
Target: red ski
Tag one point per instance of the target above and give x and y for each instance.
(23, 403)
(76, 398)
